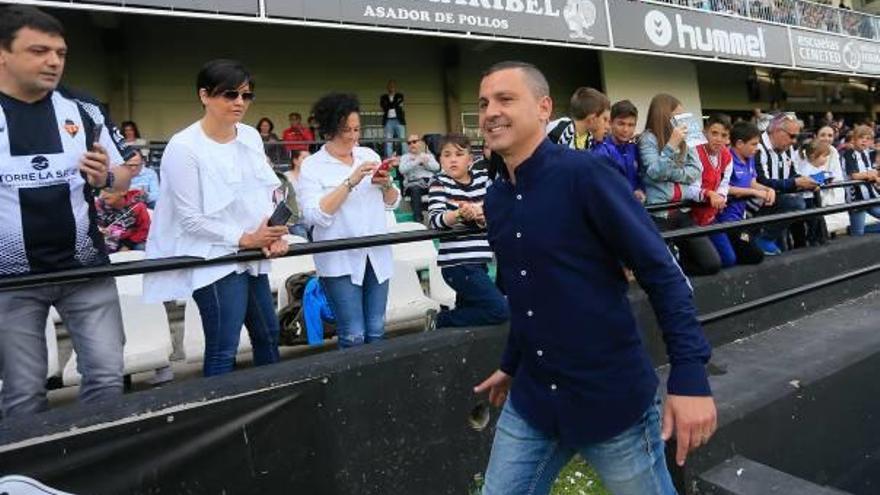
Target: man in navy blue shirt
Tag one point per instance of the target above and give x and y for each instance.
(562, 224)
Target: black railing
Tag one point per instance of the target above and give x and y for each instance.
(183, 262)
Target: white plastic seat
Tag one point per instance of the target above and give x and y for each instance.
(54, 315)
(406, 300)
(194, 336)
(129, 285)
(52, 349)
(438, 289)
(123, 256)
(147, 339)
(418, 254)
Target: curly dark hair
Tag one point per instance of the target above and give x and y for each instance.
(332, 110)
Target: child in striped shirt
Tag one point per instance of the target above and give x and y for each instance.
(456, 202)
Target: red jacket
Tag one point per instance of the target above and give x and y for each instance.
(298, 133)
(704, 214)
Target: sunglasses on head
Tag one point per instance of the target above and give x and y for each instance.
(232, 95)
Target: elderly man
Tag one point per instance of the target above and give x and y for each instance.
(775, 164)
(578, 376)
(418, 167)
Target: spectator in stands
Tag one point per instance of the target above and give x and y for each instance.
(587, 122)
(47, 225)
(620, 147)
(344, 195)
(813, 161)
(274, 149)
(216, 198)
(297, 136)
(775, 163)
(287, 194)
(144, 179)
(857, 162)
(669, 168)
(131, 136)
(418, 167)
(456, 203)
(575, 377)
(715, 158)
(393, 117)
(123, 220)
(744, 194)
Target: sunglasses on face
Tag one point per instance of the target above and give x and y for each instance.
(412, 142)
(232, 95)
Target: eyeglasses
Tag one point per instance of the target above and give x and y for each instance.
(232, 95)
(414, 141)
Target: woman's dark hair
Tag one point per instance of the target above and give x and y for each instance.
(332, 110)
(129, 123)
(457, 140)
(221, 75)
(15, 17)
(294, 155)
(265, 119)
(743, 131)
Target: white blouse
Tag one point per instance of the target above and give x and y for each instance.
(361, 214)
(210, 195)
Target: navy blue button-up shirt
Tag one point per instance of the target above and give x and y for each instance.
(562, 235)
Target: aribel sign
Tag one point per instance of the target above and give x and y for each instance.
(707, 35)
(825, 51)
(577, 21)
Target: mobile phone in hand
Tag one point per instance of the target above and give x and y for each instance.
(385, 165)
(280, 216)
(95, 137)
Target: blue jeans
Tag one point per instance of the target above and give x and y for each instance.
(235, 300)
(359, 309)
(857, 221)
(477, 300)
(525, 461)
(394, 129)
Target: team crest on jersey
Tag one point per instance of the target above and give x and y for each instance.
(71, 127)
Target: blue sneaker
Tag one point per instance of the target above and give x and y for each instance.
(768, 246)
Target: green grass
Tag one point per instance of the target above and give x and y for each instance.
(577, 478)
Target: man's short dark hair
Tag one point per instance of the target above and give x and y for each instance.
(721, 119)
(222, 75)
(15, 17)
(624, 109)
(332, 110)
(588, 101)
(534, 77)
(743, 131)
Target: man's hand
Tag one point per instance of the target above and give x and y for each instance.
(693, 419)
(640, 195)
(276, 249)
(716, 200)
(498, 385)
(805, 183)
(95, 165)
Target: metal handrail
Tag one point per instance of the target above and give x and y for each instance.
(673, 205)
(186, 262)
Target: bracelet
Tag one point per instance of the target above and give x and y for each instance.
(348, 184)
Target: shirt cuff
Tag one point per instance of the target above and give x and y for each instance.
(688, 379)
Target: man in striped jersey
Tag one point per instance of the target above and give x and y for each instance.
(55, 152)
(456, 202)
(776, 168)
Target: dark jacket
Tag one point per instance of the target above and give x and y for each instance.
(397, 104)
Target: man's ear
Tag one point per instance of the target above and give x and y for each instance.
(545, 108)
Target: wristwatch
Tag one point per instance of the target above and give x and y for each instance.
(348, 184)
(111, 179)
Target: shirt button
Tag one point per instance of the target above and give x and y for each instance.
(552, 386)
(518, 235)
(530, 313)
(540, 353)
(523, 273)
(519, 197)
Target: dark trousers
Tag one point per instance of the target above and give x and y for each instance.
(736, 248)
(416, 194)
(477, 300)
(697, 255)
(780, 232)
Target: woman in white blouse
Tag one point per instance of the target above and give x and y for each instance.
(344, 195)
(216, 197)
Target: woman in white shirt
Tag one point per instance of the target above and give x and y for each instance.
(216, 196)
(343, 195)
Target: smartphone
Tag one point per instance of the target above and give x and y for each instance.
(96, 136)
(280, 216)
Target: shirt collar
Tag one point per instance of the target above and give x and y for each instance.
(530, 166)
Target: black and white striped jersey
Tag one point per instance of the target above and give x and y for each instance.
(444, 195)
(855, 162)
(47, 210)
